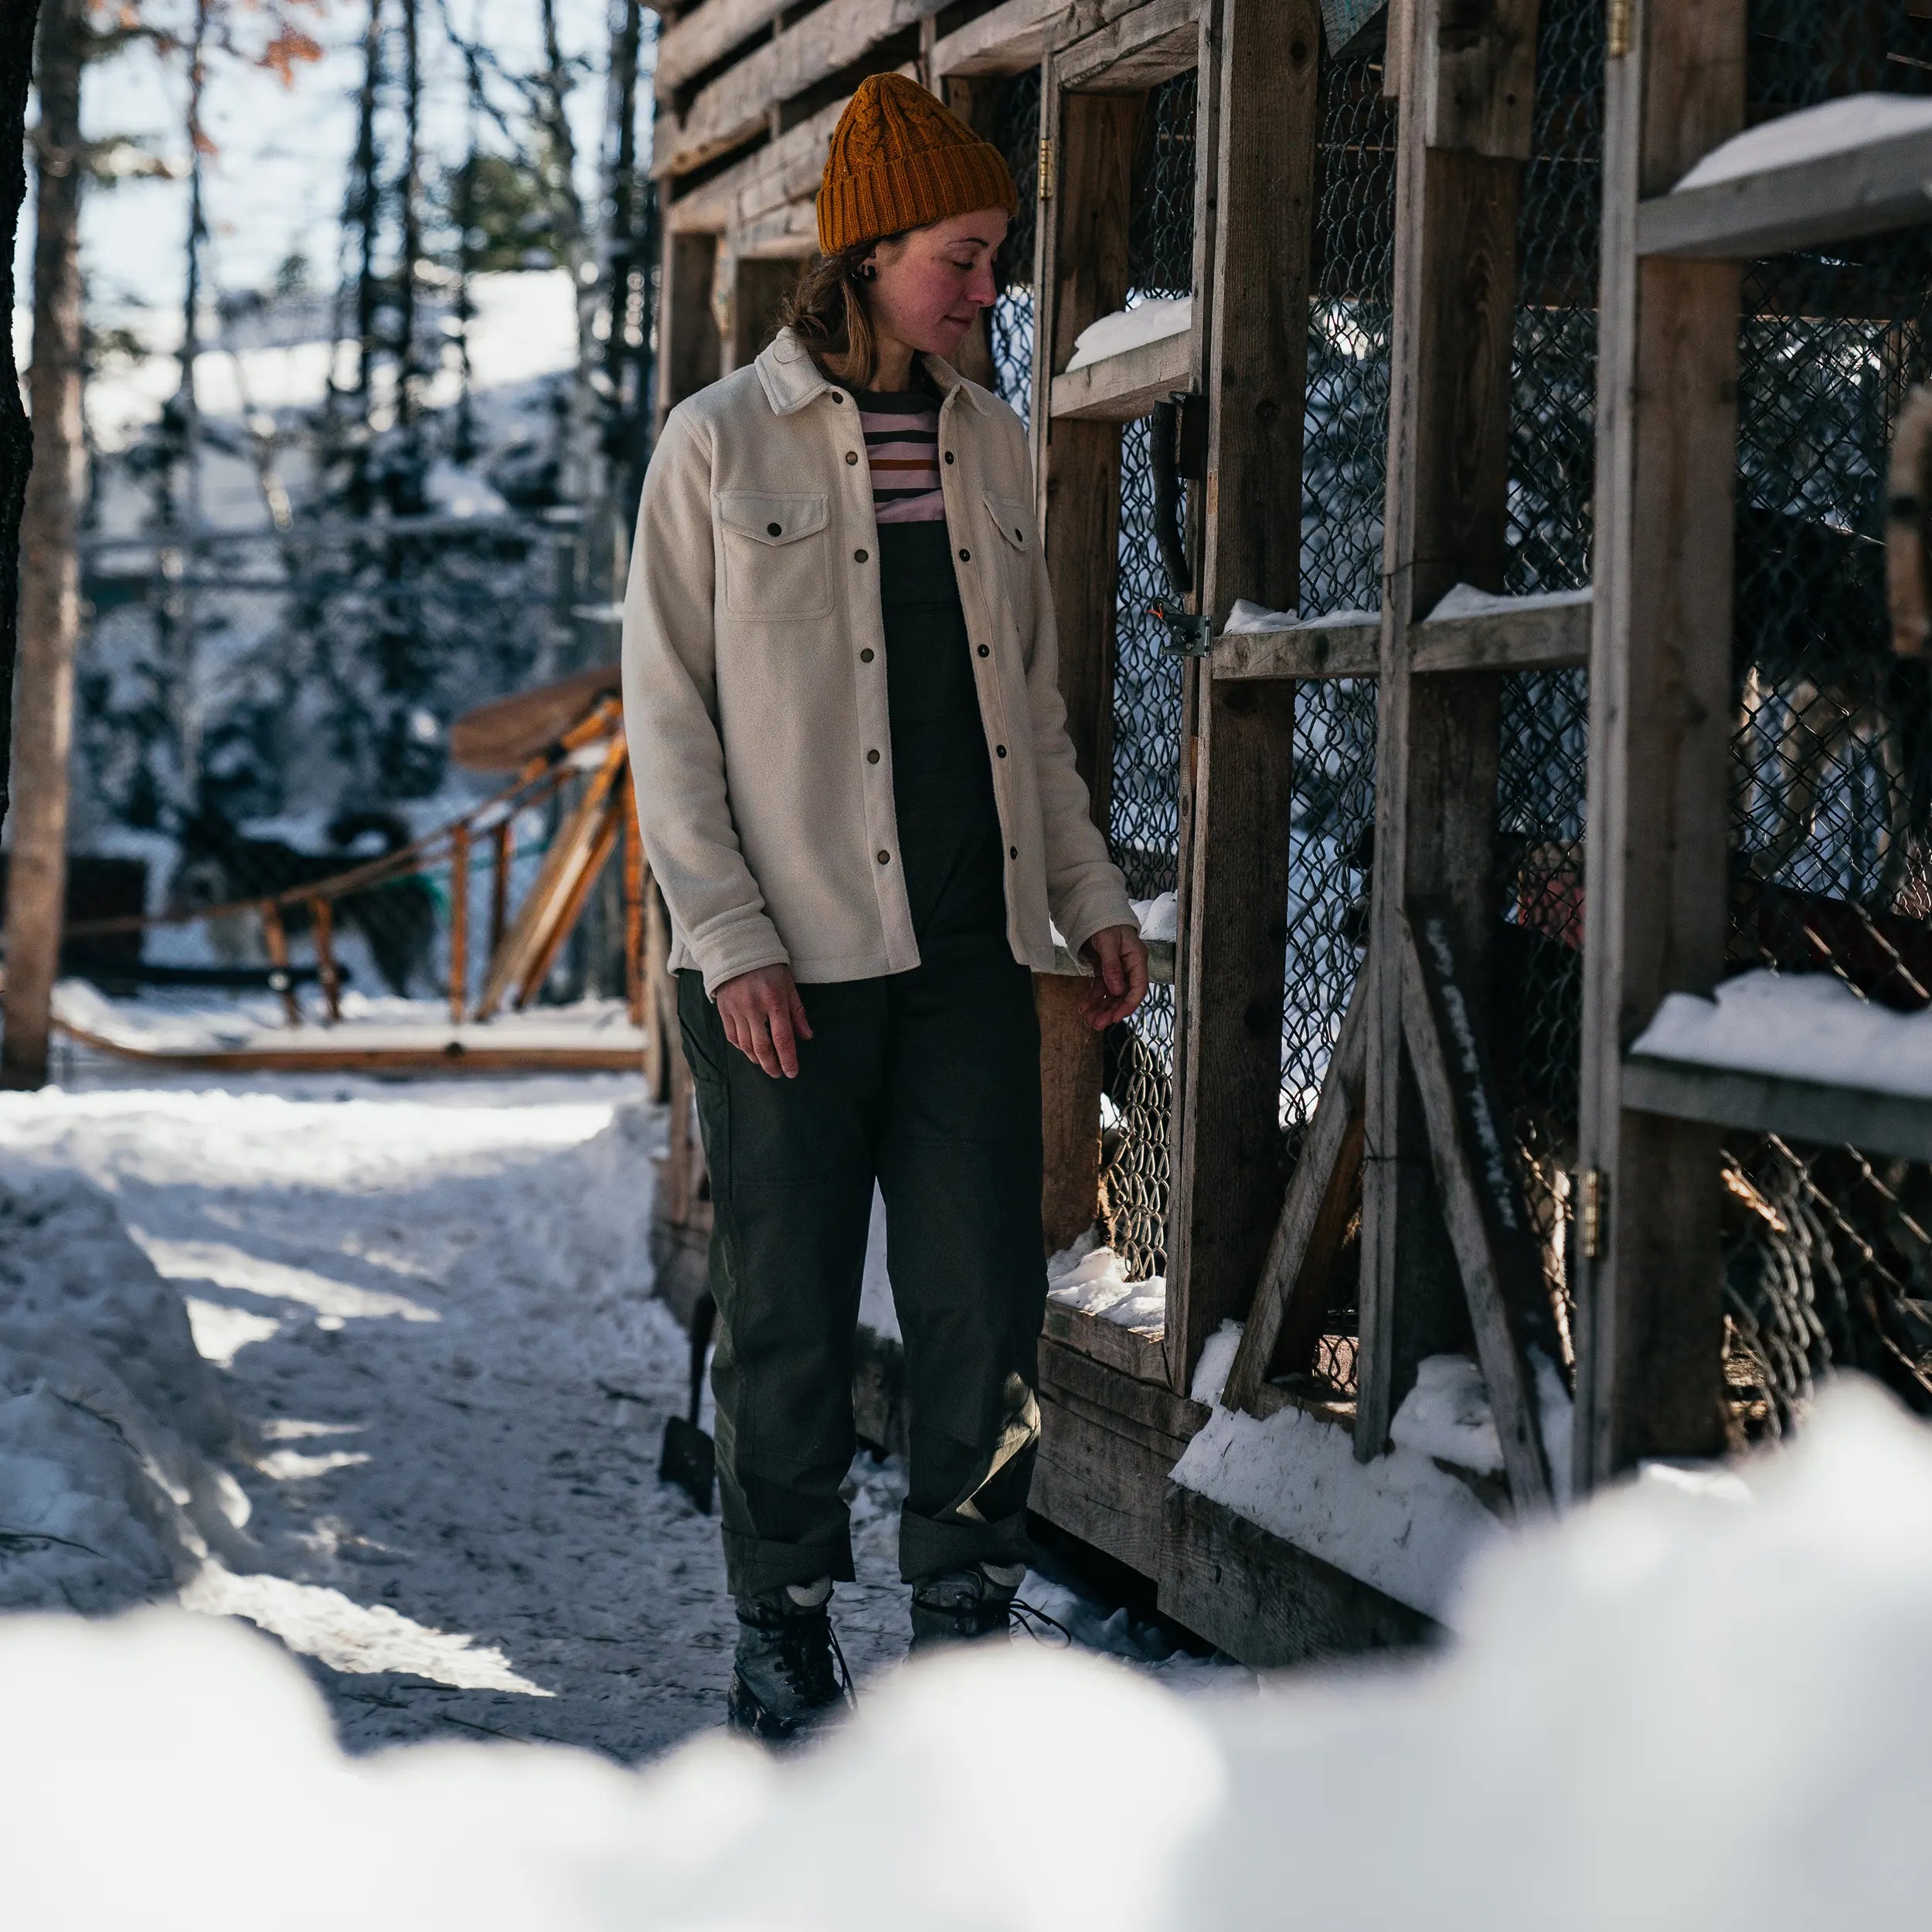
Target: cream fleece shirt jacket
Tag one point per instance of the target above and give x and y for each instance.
(754, 682)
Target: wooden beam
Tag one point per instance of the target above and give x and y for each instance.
(1293, 1274)
(1081, 260)
(1837, 198)
(701, 37)
(1228, 1175)
(1477, 79)
(1649, 1308)
(1117, 389)
(1547, 633)
(774, 177)
(1137, 50)
(1488, 1225)
(734, 107)
(1009, 38)
(1437, 741)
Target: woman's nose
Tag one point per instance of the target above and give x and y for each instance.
(981, 290)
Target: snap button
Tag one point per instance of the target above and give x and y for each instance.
(949, 456)
(885, 859)
(859, 557)
(1012, 852)
(984, 652)
(774, 529)
(851, 456)
(871, 757)
(838, 396)
(1001, 749)
(965, 556)
(865, 656)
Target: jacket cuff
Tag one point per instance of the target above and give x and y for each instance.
(1093, 910)
(743, 949)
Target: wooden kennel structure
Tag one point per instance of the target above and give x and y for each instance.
(1406, 1172)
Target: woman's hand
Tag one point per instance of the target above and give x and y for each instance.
(1118, 956)
(765, 1018)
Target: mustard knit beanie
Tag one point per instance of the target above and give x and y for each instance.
(899, 159)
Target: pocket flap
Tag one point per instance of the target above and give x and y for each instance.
(1012, 517)
(771, 519)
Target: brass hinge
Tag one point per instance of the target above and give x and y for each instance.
(1591, 1190)
(1619, 35)
(1047, 167)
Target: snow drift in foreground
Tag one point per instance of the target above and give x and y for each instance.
(1695, 1703)
(111, 1425)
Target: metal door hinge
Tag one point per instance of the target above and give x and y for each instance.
(1047, 167)
(1591, 1188)
(1619, 30)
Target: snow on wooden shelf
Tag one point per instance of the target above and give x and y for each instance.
(1848, 167)
(1126, 362)
(1800, 1055)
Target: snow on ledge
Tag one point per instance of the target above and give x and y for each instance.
(1093, 1280)
(1114, 335)
(1400, 1523)
(1796, 1026)
(1465, 600)
(1811, 134)
(1248, 620)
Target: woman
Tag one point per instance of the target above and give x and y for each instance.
(858, 793)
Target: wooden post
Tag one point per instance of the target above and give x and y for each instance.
(321, 920)
(1456, 204)
(1650, 1334)
(636, 878)
(1080, 255)
(50, 578)
(661, 993)
(1226, 1191)
(275, 938)
(459, 922)
(503, 849)
(687, 335)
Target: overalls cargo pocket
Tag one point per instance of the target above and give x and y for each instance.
(777, 555)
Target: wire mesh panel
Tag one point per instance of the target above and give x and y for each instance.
(1832, 767)
(1144, 823)
(1016, 134)
(1345, 435)
(1544, 748)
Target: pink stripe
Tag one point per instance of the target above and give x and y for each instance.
(912, 509)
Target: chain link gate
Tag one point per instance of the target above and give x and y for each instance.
(1144, 817)
(1827, 1256)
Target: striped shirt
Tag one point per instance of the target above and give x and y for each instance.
(902, 445)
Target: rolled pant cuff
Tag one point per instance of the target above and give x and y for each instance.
(754, 1565)
(930, 1547)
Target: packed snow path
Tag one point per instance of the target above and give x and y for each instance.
(432, 1301)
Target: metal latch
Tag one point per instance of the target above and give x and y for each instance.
(1187, 636)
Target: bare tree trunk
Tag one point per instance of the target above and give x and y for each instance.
(16, 437)
(50, 591)
(408, 374)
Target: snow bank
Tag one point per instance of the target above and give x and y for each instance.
(1400, 1523)
(1446, 1416)
(1465, 600)
(1256, 619)
(111, 1424)
(1149, 321)
(1797, 1026)
(1217, 1359)
(1835, 127)
(1591, 1754)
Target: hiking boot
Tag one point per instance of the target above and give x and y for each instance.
(789, 1675)
(964, 1606)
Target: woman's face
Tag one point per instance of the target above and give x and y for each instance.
(931, 284)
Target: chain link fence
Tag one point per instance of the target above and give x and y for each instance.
(1015, 132)
(1827, 1258)
(1345, 432)
(1543, 753)
(1143, 819)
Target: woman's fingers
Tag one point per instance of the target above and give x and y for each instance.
(778, 1046)
(800, 1024)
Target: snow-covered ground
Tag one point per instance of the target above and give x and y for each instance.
(424, 1456)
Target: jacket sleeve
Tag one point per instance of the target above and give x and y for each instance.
(1085, 891)
(671, 717)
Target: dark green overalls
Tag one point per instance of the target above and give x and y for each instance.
(928, 1080)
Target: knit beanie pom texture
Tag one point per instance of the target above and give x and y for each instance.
(899, 159)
